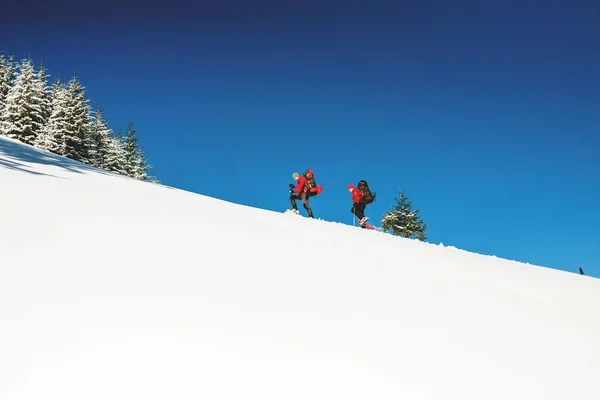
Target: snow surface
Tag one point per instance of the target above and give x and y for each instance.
(112, 288)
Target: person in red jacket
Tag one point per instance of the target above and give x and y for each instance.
(358, 208)
(300, 192)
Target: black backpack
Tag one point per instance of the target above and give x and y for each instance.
(367, 196)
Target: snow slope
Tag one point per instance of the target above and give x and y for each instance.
(111, 288)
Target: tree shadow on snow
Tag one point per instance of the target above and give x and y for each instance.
(20, 167)
(22, 153)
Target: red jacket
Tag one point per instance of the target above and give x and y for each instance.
(301, 186)
(356, 194)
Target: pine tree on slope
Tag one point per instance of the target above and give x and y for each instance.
(98, 139)
(7, 77)
(25, 109)
(53, 135)
(136, 163)
(115, 155)
(78, 116)
(42, 93)
(402, 221)
(141, 166)
(131, 150)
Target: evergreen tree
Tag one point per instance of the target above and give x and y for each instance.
(26, 105)
(580, 271)
(42, 92)
(98, 140)
(131, 150)
(7, 77)
(141, 166)
(54, 133)
(402, 221)
(78, 115)
(136, 165)
(115, 155)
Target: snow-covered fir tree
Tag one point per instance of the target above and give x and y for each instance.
(53, 134)
(7, 77)
(99, 139)
(43, 94)
(26, 105)
(141, 166)
(115, 155)
(78, 114)
(136, 163)
(403, 221)
(131, 149)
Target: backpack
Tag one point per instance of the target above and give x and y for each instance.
(367, 196)
(312, 187)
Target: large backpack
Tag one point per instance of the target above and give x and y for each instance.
(367, 196)
(312, 187)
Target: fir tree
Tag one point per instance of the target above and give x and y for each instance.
(43, 94)
(136, 165)
(581, 271)
(402, 221)
(115, 155)
(141, 166)
(26, 105)
(78, 114)
(7, 77)
(54, 133)
(131, 150)
(98, 139)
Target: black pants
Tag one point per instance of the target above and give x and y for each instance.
(358, 209)
(304, 197)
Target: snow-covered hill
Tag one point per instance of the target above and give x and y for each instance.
(112, 288)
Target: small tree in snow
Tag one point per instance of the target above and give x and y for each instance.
(403, 221)
(152, 178)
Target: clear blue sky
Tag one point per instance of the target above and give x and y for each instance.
(486, 113)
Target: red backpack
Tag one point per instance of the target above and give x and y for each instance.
(312, 187)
